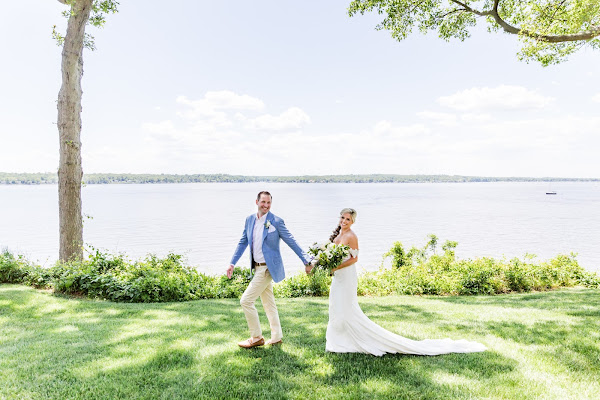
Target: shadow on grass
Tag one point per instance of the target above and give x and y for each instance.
(66, 348)
(280, 374)
(539, 333)
(564, 322)
(400, 312)
(69, 348)
(563, 299)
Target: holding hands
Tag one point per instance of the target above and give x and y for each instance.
(308, 268)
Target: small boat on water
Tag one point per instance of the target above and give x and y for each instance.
(550, 189)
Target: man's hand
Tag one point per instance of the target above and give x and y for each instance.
(308, 268)
(230, 271)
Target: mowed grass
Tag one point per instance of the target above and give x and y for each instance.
(541, 346)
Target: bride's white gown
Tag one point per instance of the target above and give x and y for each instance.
(350, 331)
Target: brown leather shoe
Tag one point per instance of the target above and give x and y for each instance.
(250, 343)
(272, 343)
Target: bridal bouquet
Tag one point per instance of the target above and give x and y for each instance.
(328, 255)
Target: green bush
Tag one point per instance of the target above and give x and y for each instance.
(19, 270)
(234, 287)
(417, 271)
(424, 271)
(152, 279)
(37, 277)
(478, 276)
(590, 280)
(315, 284)
(12, 270)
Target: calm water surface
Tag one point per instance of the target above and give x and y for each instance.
(205, 221)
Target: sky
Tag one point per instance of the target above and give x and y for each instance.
(292, 88)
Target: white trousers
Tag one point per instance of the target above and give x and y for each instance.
(261, 286)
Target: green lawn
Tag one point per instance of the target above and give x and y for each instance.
(541, 346)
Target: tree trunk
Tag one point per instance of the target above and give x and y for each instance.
(70, 172)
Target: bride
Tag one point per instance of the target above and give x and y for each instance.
(350, 331)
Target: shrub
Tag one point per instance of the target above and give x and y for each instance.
(234, 287)
(12, 270)
(424, 271)
(315, 284)
(421, 271)
(479, 276)
(37, 277)
(18, 270)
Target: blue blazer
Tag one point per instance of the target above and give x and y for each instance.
(270, 246)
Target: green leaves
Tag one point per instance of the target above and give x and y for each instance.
(423, 271)
(550, 30)
(328, 256)
(57, 36)
(100, 9)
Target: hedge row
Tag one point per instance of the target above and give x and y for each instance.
(417, 271)
(425, 271)
(153, 279)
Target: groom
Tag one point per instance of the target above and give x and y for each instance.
(262, 233)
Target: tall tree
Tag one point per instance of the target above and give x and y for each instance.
(70, 171)
(550, 30)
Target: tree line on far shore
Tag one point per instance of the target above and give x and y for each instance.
(8, 178)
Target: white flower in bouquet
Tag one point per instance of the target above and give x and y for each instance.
(328, 256)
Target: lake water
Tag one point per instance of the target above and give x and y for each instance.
(204, 221)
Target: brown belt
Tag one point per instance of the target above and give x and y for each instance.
(259, 264)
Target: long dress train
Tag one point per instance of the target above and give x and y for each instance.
(350, 331)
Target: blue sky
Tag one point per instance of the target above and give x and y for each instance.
(293, 88)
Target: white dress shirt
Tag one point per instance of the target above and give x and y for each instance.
(257, 239)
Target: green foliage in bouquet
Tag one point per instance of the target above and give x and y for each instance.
(329, 255)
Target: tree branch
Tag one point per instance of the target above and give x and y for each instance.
(472, 10)
(416, 6)
(452, 12)
(591, 33)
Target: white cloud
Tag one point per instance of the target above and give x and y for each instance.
(291, 119)
(560, 134)
(452, 120)
(504, 97)
(596, 98)
(285, 143)
(215, 133)
(474, 117)
(166, 128)
(213, 112)
(445, 119)
(387, 129)
(27, 157)
(212, 102)
(207, 140)
(226, 99)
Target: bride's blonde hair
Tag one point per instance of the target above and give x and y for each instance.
(350, 211)
(337, 230)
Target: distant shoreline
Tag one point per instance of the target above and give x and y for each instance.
(92, 179)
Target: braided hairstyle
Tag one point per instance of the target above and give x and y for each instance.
(335, 233)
